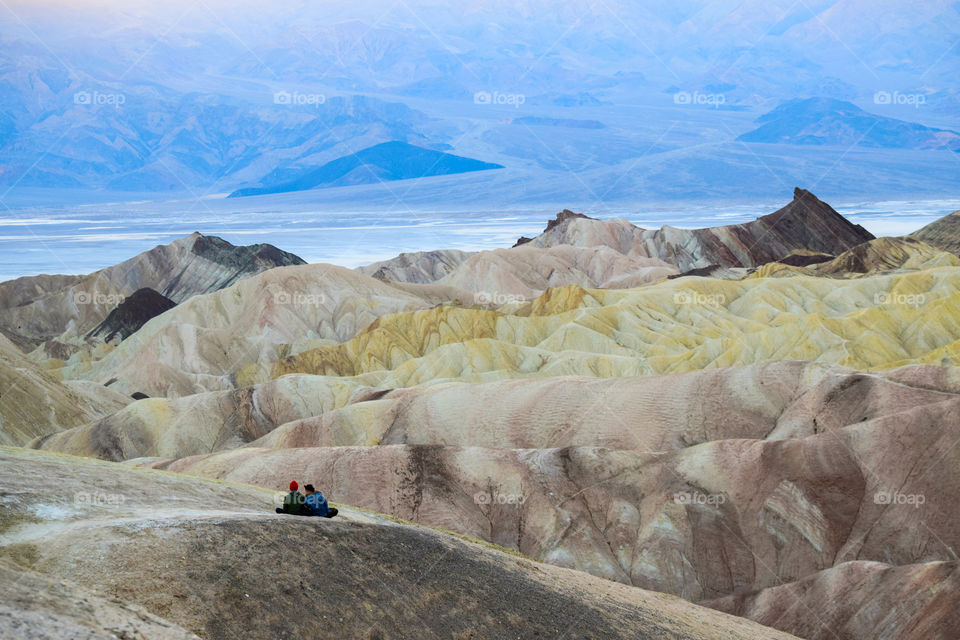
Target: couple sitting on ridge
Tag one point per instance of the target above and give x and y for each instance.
(313, 504)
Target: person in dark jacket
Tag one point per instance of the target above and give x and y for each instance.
(316, 505)
(293, 502)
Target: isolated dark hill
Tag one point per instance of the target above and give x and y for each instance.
(214, 559)
(380, 163)
(825, 121)
(806, 223)
(943, 234)
(133, 313)
(40, 308)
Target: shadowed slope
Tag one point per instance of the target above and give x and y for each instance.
(131, 314)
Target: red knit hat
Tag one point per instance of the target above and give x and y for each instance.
(293, 485)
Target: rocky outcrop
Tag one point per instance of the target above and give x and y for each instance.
(131, 314)
(805, 223)
(944, 234)
(41, 308)
(214, 560)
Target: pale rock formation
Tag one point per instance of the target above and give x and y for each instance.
(203, 422)
(222, 340)
(859, 599)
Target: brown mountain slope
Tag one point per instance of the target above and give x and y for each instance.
(943, 233)
(805, 224)
(859, 600)
(215, 560)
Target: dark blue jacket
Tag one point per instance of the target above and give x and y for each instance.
(317, 505)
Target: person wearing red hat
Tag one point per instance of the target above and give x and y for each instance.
(293, 501)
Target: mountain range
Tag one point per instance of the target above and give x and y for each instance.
(380, 163)
(620, 104)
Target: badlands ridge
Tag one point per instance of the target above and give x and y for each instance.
(759, 419)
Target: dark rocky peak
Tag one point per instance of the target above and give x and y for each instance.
(247, 258)
(808, 222)
(563, 216)
(131, 314)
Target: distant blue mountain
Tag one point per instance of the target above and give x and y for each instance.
(825, 121)
(380, 163)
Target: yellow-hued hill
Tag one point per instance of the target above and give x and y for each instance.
(879, 322)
